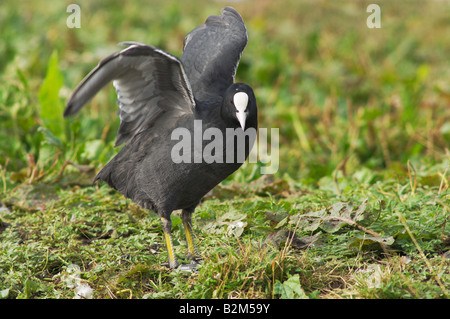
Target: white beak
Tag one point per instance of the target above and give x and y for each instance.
(241, 116)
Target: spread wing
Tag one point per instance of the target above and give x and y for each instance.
(148, 82)
(212, 51)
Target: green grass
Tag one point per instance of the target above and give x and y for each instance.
(359, 207)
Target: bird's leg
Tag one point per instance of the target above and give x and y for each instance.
(167, 229)
(186, 217)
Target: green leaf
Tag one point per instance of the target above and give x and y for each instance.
(290, 289)
(93, 149)
(51, 107)
(50, 138)
(31, 286)
(282, 222)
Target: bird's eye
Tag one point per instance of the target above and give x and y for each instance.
(231, 101)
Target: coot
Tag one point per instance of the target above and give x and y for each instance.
(159, 94)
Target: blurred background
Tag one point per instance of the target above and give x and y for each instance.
(345, 97)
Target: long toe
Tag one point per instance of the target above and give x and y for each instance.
(192, 267)
(196, 260)
(168, 265)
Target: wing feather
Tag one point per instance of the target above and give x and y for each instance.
(212, 52)
(148, 82)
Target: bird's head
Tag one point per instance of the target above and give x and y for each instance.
(239, 106)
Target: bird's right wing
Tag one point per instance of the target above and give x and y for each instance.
(148, 82)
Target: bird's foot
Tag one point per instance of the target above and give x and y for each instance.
(195, 259)
(192, 266)
(188, 267)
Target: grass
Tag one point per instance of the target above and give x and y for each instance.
(359, 207)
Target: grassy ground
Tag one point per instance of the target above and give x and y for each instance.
(359, 207)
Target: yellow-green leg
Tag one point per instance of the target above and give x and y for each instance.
(167, 228)
(190, 239)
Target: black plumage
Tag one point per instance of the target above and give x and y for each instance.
(158, 94)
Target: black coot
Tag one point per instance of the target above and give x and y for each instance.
(159, 94)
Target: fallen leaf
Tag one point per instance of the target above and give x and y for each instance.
(280, 237)
(364, 240)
